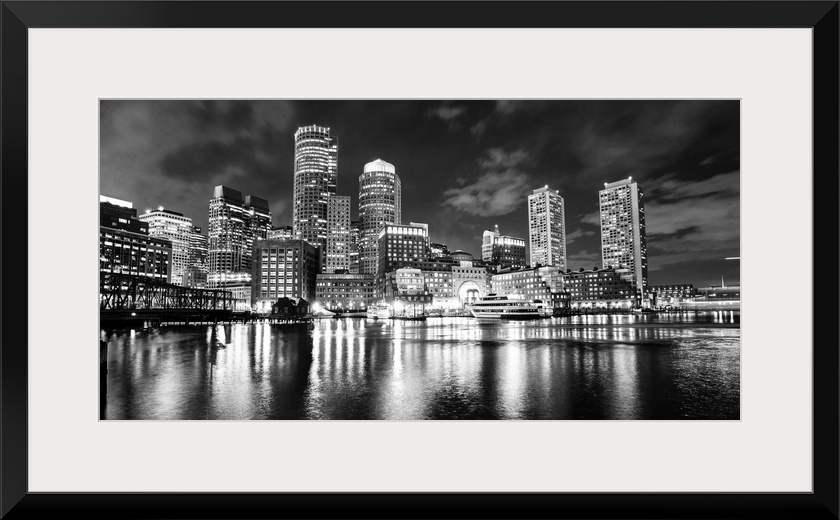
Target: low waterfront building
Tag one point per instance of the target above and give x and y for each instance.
(671, 294)
(507, 252)
(470, 280)
(720, 293)
(290, 308)
(135, 254)
(345, 291)
(283, 268)
(541, 284)
(713, 298)
(405, 290)
(608, 289)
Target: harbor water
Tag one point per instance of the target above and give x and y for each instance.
(658, 366)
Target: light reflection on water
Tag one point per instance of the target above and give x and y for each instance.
(582, 367)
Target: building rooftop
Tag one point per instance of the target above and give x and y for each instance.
(378, 166)
(608, 185)
(223, 192)
(543, 190)
(115, 202)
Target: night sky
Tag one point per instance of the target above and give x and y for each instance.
(465, 166)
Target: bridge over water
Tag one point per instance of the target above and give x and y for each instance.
(126, 299)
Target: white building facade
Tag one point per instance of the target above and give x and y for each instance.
(547, 228)
(380, 203)
(176, 228)
(623, 242)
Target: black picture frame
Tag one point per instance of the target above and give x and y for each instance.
(19, 16)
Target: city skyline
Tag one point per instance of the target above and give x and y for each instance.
(467, 162)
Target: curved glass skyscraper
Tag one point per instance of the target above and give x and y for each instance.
(380, 203)
(316, 176)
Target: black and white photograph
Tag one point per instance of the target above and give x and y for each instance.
(482, 259)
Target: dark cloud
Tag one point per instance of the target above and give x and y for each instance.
(448, 112)
(499, 190)
(465, 165)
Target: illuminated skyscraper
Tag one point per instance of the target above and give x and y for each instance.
(198, 250)
(196, 274)
(354, 246)
(379, 204)
(338, 234)
(258, 220)
(316, 176)
(176, 228)
(623, 242)
(234, 224)
(547, 228)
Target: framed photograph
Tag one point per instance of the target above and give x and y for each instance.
(395, 259)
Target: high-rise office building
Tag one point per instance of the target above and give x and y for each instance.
(316, 177)
(380, 203)
(176, 228)
(547, 228)
(338, 235)
(402, 246)
(125, 246)
(198, 250)
(354, 246)
(345, 292)
(503, 250)
(623, 242)
(258, 220)
(235, 222)
(196, 274)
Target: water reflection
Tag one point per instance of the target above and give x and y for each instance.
(583, 367)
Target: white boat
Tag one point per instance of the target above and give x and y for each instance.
(502, 307)
(379, 311)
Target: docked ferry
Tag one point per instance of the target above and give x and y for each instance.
(502, 307)
(379, 311)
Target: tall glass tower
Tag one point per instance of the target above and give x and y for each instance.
(234, 223)
(623, 242)
(338, 237)
(380, 203)
(316, 177)
(547, 228)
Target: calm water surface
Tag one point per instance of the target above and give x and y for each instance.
(584, 367)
